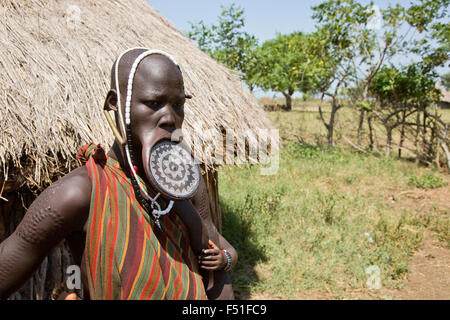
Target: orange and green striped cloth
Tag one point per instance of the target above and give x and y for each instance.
(126, 257)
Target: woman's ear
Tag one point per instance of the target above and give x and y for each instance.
(111, 105)
(111, 101)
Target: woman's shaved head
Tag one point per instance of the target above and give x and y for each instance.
(126, 63)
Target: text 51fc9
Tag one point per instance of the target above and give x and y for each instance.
(246, 309)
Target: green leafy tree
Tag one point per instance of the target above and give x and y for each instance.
(228, 43)
(285, 65)
(401, 93)
(430, 19)
(426, 37)
(363, 38)
(338, 42)
(423, 34)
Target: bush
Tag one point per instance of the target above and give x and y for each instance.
(427, 181)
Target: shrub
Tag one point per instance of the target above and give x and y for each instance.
(427, 181)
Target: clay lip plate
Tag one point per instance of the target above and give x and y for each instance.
(173, 171)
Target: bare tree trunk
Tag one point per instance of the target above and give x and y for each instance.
(330, 125)
(418, 128)
(288, 103)
(288, 97)
(369, 123)
(433, 141)
(424, 135)
(322, 116)
(362, 112)
(334, 108)
(388, 141)
(360, 125)
(402, 134)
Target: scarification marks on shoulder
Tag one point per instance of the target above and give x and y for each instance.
(39, 224)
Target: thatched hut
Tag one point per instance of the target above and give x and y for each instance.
(55, 59)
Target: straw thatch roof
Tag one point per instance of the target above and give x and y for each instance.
(55, 59)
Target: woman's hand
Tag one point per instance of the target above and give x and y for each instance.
(212, 258)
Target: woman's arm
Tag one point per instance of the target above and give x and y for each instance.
(198, 232)
(61, 209)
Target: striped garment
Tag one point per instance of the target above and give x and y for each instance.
(126, 257)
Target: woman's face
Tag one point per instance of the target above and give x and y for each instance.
(157, 106)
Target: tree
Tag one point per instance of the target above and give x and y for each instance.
(359, 46)
(285, 65)
(363, 38)
(337, 45)
(227, 42)
(422, 22)
(399, 94)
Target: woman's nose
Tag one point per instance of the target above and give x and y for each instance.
(169, 118)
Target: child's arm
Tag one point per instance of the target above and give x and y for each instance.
(214, 262)
(216, 258)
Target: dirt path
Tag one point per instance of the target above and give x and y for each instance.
(429, 277)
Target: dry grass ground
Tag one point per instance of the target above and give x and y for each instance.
(314, 229)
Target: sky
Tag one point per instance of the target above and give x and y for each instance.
(263, 18)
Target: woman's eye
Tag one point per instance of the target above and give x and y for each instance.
(153, 103)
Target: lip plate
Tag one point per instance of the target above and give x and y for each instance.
(156, 172)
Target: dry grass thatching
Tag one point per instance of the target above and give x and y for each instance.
(55, 59)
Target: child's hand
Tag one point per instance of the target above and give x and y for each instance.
(212, 258)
